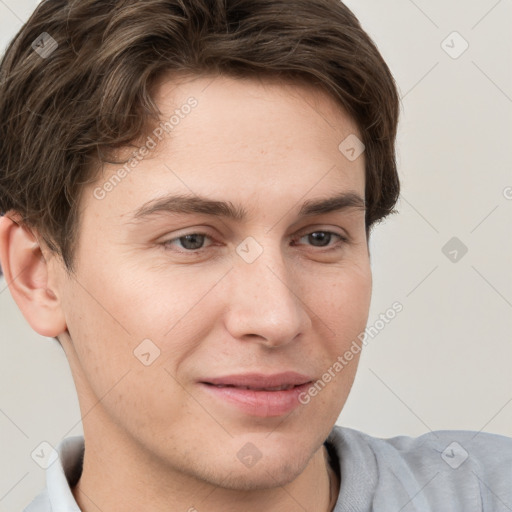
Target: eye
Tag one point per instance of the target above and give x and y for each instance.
(193, 243)
(323, 238)
(189, 242)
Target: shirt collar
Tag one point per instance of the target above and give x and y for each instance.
(63, 473)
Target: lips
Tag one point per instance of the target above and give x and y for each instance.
(260, 382)
(257, 394)
(268, 388)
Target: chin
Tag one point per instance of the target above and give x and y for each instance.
(246, 468)
(264, 475)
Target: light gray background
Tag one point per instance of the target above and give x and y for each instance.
(444, 361)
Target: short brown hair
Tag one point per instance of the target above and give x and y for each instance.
(61, 114)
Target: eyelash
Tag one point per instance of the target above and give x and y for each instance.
(342, 241)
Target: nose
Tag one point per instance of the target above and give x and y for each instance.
(265, 303)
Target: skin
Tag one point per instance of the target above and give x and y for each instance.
(152, 433)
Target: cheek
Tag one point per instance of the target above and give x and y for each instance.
(343, 313)
(114, 377)
(135, 303)
(157, 303)
(118, 325)
(343, 302)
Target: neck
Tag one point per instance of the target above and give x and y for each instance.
(117, 476)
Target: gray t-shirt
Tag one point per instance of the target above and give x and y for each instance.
(441, 471)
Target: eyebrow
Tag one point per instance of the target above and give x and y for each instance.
(189, 204)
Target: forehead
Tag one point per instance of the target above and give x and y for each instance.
(255, 101)
(243, 140)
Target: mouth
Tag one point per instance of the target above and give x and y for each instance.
(284, 387)
(257, 394)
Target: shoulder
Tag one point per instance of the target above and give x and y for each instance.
(457, 466)
(453, 447)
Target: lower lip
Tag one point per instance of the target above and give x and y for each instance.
(260, 403)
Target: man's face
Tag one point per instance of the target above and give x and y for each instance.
(274, 292)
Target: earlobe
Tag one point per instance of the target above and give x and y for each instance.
(27, 275)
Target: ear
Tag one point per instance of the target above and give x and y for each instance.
(27, 275)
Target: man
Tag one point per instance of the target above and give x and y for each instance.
(189, 188)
